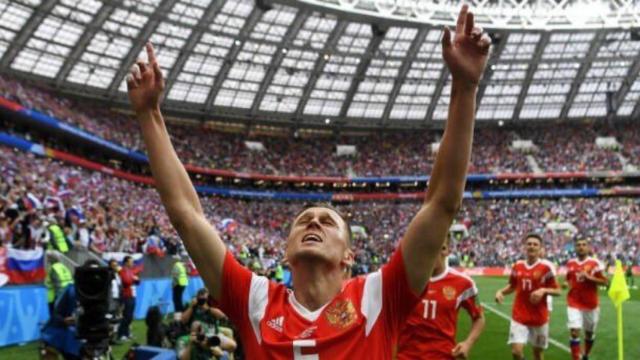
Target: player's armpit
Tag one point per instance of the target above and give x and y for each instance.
(422, 243)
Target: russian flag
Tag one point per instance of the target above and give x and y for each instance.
(25, 266)
(228, 225)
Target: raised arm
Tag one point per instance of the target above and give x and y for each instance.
(179, 197)
(466, 56)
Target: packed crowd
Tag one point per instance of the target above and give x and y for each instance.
(102, 213)
(572, 148)
(380, 154)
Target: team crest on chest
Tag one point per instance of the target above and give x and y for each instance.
(341, 314)
(449, 292)
(536, 275)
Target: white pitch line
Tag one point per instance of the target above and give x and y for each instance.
(553, 341)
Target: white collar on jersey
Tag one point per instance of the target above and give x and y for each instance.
(441, 275)
(526, 264)
(303, 311)
(583, 261)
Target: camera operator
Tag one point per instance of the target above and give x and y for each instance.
(200, 310)
(207, 317)
(205, 344)
(59, 332)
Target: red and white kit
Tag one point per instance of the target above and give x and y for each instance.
(431, 329)
(530, 322)
(361, 322)
(583, 309)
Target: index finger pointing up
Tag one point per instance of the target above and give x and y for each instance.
(151, 55)
(462, 19)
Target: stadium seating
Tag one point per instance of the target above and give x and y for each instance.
(123, 216)
(380, 154)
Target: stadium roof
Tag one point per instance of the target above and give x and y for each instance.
(345, 62)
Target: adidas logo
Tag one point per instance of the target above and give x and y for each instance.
(276, 323)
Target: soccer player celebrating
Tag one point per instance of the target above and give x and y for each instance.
(532, 280)
(584, 275)
(430, 332)
(325, 316)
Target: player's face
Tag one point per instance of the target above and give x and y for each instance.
(533, 247)
(582, 248)
(319, 234)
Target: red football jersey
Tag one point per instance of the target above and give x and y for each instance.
(526, 279)
(430, 332)
(361, 322)
(583, 294)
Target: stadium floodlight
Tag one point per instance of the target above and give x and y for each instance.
(501, 14)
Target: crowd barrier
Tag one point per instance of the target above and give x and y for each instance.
(42, 120)
(24, 309)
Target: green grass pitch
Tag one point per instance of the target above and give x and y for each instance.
(492, 345)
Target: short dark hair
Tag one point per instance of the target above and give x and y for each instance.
(202, 291)
(332, 208)
(581, 238)
(126, 258)
(535, 236)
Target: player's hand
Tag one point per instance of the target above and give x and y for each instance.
(536, 296)
(499, 297)
(467, 53)
(145, 83)
(461, 351)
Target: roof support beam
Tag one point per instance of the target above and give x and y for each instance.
(624, 89)
(90, 31)
(533, 66)
(154, 20)
(321, 61)
(582, 72)
(195, 36)
(26, 32)
(488, 71)
(232, 54)
(442, 80)
(636, 111)
(284, 45)
(361, 71)
(402, 74)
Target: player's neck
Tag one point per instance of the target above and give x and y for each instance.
(582, 257)
(532, 260)
(438, 270)
(315, 286)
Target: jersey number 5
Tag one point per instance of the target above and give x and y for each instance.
(297, 350)
(430, 307)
